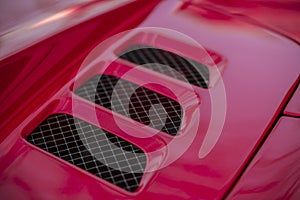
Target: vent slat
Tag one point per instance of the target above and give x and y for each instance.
(136, 102)
(92, 149)
(164, 61)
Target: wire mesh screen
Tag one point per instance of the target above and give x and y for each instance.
(136, 102)
(92, 149)
(161, 61)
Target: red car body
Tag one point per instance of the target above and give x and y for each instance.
(256, 48)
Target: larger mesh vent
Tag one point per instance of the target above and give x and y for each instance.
(160, 60)
(136, 102)
(92, 149)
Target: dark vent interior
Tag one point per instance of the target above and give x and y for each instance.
(92, 149)
(160, 60)
(136, 102)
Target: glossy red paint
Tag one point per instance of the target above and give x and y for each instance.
(293, 107)
(261, 71)
(281, 16)
(274, 172)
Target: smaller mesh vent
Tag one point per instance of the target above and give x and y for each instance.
(136, 102)
(159, 60)
(92, 149)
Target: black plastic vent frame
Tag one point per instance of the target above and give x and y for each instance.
(141, 105)
(92, 149)
(157, 60)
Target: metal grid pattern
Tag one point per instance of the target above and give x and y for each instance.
(160, 60)
(92, 149)
(136, 102)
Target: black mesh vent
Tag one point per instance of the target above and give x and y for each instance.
(192, 71)
(143, 105)
(92, 149)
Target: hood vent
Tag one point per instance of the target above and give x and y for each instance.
(152, 58)
(92, 149)
(143, 105)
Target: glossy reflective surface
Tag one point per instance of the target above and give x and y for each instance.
(274, 172)
(293, 107)
(281, 16)
(259, 69)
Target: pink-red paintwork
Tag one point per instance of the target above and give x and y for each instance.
(281, 16)
(261, 72)
(274, 172)
(293, 107)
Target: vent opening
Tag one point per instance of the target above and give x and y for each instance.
(143, 105)
(194, 72)
(90, 148)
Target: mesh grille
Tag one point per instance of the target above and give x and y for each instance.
(136, 102)
(92, 149)
(192, 71)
